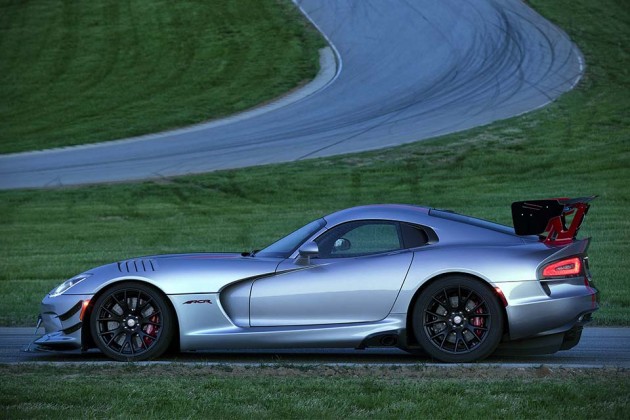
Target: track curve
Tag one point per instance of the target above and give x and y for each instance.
(411, 70)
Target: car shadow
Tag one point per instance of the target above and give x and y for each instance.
(283, 356)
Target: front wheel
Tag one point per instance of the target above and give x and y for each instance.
(458, 319)
(131, 322)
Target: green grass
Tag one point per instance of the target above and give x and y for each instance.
(74, 72)
(573, 147)
(123, 391)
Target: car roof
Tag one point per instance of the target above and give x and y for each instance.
(400, 212)
(450, 227)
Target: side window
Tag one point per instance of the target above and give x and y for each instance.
(413, 236)
(355, 239)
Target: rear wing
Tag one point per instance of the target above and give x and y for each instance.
(549, 218)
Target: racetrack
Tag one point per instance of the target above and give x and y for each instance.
(599, 347)
(406, 71)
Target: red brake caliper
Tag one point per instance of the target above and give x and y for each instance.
(151, 330)
(478, 322)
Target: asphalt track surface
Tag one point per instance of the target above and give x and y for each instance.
(599, 347)
(405, 71)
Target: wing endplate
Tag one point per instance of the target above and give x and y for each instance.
(549, 218)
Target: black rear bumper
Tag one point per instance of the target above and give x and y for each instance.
(546, 344)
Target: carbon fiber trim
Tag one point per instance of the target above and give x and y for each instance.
(70, 313)
(72, 329)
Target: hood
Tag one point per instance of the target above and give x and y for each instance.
(181, 273)
(151, 263)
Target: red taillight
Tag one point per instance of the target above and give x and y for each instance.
(563, 268)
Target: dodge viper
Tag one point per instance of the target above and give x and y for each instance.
(425, 280)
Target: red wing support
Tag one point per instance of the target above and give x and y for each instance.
(549, 218)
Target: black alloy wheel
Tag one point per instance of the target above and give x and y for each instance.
(131, 322)
(458, 319)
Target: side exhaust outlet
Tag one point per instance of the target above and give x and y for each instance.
(389, 340)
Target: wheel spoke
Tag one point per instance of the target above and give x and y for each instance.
(113, 331)
(145, 305)
(435, 314)
(443, 341)
(111, 319)
(448, 301)
(463, 340)
(114, 337)
(479, 305)
(149, 322)
(123, 305)
(112, 313)
(141, 336)
(466, 300)
(125, 343)
(442, 304)
(122, 347)
(441, 332)
(133, 340)
(147, 319)
(144, 335)
(104, 333)
(474, 329)
(113, 316)
(476, 339)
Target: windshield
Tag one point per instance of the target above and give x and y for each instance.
(285, 246)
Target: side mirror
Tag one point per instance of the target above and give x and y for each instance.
(308, 250)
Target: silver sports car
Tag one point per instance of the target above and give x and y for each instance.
(425, 280)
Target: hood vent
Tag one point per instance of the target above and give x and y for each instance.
(138, 266)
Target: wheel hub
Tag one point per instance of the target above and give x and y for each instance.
(131, 322)
(456, 320)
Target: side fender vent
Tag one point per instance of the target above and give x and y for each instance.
(137, 266)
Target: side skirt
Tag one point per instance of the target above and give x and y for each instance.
(312, 336)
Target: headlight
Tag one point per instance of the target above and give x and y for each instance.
(63, 287)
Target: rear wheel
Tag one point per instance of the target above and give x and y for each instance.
(458, 319)
(132, 321)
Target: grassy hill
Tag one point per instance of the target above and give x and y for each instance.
(79, 72)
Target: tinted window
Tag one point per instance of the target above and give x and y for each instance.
(360, 238)
(413, 236)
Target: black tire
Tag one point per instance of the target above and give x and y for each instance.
(131, 322)
(458, 319)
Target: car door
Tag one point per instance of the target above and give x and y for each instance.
(356, 277)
